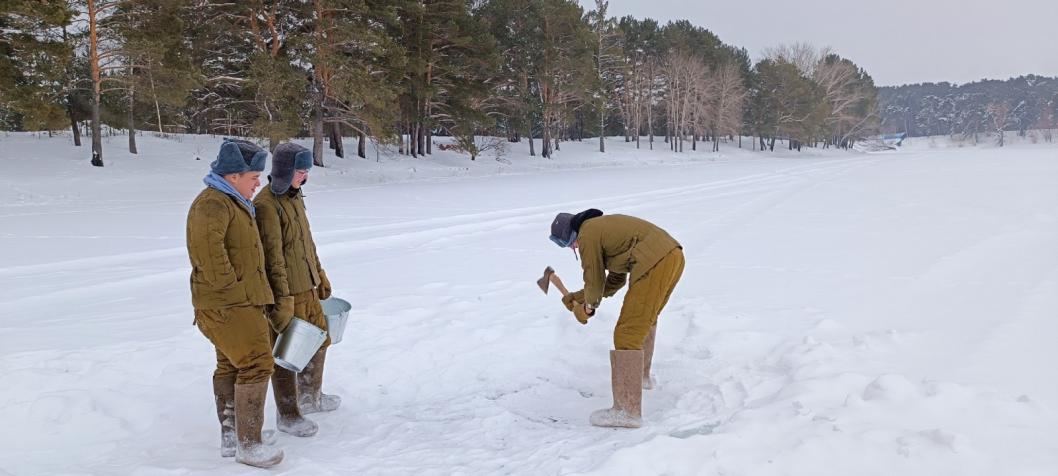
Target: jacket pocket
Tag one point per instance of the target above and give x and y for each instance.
(209, 320)
(233, 295)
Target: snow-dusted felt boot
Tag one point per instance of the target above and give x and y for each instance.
(289, 419)
(310, 382)
(249, 417)
(626, 374)
(224, 395)
(648, 357)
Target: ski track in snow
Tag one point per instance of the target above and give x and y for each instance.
(845, 314)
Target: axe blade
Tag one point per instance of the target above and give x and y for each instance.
(545, 282)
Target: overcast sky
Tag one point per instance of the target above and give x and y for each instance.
(897, 41)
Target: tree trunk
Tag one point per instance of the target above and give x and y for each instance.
(428, 129)
(157, 107)
(132, 121)
(532, 148)
(400, 133)
(337, 142)
(420, 135)
(69, 102)
(413, 139)
(93, 55)
(602, 130)
(650, 105)
(545, 147)
(73, 124)
(650, 127)
(422, 139)
(361, 146)
(97, 132)
(317, 135)
(638, 114)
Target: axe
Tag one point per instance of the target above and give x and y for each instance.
(548, 278)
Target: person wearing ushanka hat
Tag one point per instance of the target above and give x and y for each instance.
(297, 279)
(615, 249)
(230, 292)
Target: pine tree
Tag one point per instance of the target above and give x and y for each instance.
(449, 62)
(606, 56)
(562, 66)
(159, 72)
(514, 86)
(223, 102)
(253, 82)
(34, 55)
(354, 70)
(104, 56)
(786, 104)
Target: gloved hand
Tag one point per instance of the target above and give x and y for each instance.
(281, 314)
(323, 291)
(575, 296)
(580, 311)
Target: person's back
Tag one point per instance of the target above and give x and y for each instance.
(627, 244)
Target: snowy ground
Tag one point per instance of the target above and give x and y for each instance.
(841, 313)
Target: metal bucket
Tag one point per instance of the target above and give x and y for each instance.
(337, 312)
(295, 346)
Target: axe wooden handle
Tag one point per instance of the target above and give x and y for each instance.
(558, 284)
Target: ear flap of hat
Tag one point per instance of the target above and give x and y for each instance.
(303, 160)
(257, 163)
(284, 162)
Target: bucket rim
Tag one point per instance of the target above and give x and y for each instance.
(340, 305)
(303, 322)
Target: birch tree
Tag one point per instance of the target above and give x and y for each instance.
(727, 101)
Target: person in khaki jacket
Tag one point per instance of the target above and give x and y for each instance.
(296, 276)
(615, 249)
(230, 294)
